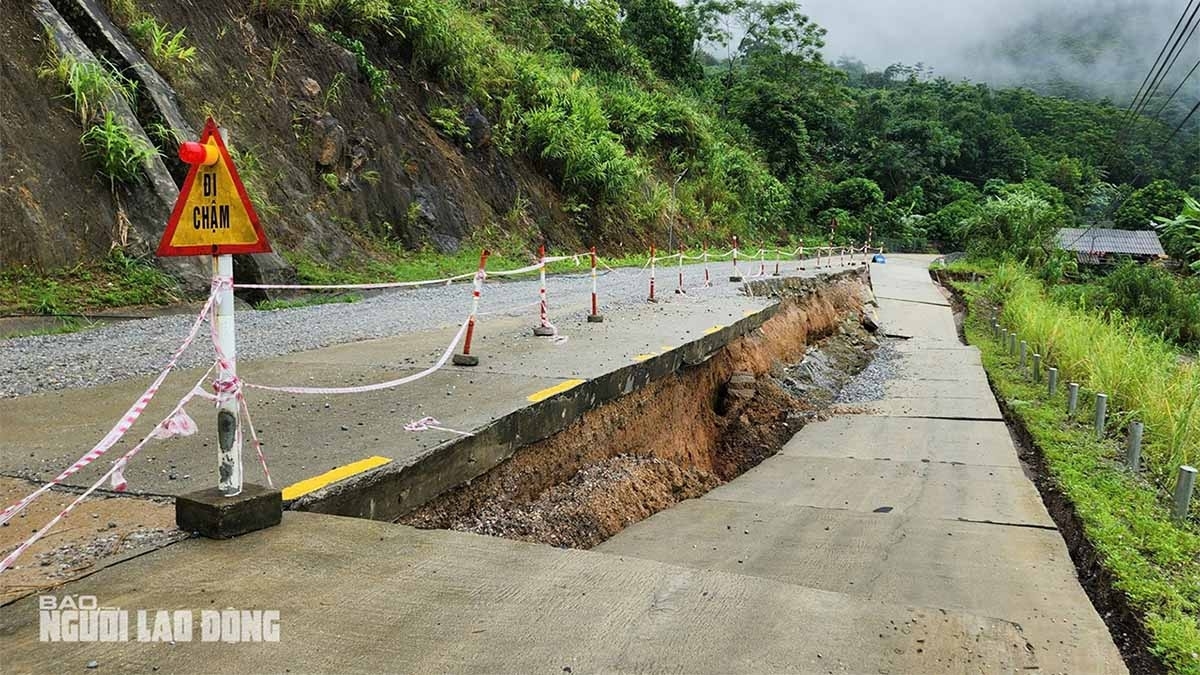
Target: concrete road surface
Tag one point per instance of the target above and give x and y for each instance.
(905, 540)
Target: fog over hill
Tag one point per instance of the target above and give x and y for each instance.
(1095, 48)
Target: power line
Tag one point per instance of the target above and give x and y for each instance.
(1185, 120)
(1150, 93)
(1137, 95)
(1177, 88)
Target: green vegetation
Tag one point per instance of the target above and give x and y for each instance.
(116, 281)
(1154, 561)
(376, 77)
(1181, 234)
(308, 301)
(89, 84)
(1140, 373)
(450, 122)
(119, 154)
(166, 50)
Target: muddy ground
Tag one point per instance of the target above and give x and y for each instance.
(98, 529)
(673, 440)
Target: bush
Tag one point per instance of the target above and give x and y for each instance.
(1017, 225)
(1158, 300)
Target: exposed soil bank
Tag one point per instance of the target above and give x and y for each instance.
(1123, 621)
(673, 439)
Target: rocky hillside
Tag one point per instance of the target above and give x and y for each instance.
(334, 166)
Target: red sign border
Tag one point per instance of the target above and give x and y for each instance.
(165, 249)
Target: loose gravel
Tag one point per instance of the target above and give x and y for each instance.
(868, 385)
(137, 348)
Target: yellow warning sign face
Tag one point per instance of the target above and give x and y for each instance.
(213, 214)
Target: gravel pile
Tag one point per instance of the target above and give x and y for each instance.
(869, 383)
(142, 347)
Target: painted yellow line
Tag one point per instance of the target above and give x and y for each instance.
(667, 348)
(714, 329)
(550, 391)
(642, 357)
(750, 312)
(308, 485)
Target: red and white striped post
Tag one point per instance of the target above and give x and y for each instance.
(762, 262)
(833, 223)
(776, 261)
(653, 262)
(595, 316)
(707, 280)
(543, 329)
(737, 275)
(466, 358)
(679, 290)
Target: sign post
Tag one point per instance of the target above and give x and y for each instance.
(213, 216)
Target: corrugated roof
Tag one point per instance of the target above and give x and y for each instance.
(1100, 240)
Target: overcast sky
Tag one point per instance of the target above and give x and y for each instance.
(956, 37)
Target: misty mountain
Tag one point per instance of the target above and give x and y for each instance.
(1083, 48)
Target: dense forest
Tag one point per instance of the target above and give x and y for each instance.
(625, 106)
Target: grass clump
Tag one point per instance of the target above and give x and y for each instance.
(89, 84)
(1153, 561)
(168, 50)
(119, 153)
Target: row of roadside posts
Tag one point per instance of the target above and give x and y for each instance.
(1030, 363)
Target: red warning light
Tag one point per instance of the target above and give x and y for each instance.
(204, 154)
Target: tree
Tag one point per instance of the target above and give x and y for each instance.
(1158, 199)
(856, 195)
(665, 34)
(760, 24)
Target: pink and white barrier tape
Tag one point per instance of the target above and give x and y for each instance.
(128, 419)
(170, 426)
(370, 387)
(426, 423)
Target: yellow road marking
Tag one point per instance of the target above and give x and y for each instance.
(550, 391)
(308, 485)
(667, 348)
(750, 312)
(642, 357)
(714, 329)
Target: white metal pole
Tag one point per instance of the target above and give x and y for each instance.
(229, 441)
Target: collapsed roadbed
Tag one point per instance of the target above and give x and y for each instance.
(579, 466)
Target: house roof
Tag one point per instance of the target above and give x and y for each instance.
(1101, 240)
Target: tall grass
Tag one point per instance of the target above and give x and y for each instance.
(1143, 376)
(119, 153)
(89, 84)
(168, 50)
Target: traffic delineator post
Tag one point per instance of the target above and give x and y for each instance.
(776, 262)
(652, 265)
(762, 262)
(800, 266)
(543, 329)
(707, 280)
(465, 357)
(595, 316)
(737, 274)
(679, 290)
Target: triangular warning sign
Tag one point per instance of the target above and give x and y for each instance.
(213, 215)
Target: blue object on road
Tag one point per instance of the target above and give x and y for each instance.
(878, 258)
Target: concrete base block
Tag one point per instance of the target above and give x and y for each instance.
(595, 318)
(543, 331)
(216, 516)
(465, 360)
